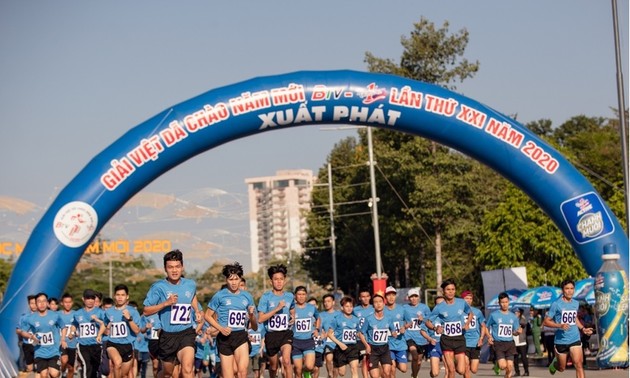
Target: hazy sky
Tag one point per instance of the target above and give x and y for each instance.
(76, 75)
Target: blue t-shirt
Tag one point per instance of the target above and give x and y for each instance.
(179, 316)
(474, 331)
(326, 323)
(22, 325)
(152, 325)
(345, 327)
(412, 313)
(361, 312)
(280, 320)
(255, 339)
(68, 319)
(563, 312)
(399, 319)
(451, 316)
(376, 331)
(502, 325)
(305, 320)
(141, 340)
(232, 308)
(87, 328)
(47, 329)
(119, 330)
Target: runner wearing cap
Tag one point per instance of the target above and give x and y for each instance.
(363, 309)
(397, 344)
(474, 336)
(454, 316)
(502, 326)
(416, 343)
(89, 323)
(374, 335)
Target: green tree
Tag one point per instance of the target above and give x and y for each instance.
(6, 267)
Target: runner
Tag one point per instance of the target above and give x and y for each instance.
(256, 356)
(343, 332)
(502, 326)
(520, 342)
(319, 344)
(88, 320)
(397, 344)
(44, 329)
(69, 352)
(53, 304)
(474, 336)
(434, 348)
(151, 327)
(174, 299)
(276, 310)
(416, 312)
(28, 350)
(374, 335)
(327, 317)
(121, 320)
(305, 329)
(363, 309)
(454, 316)
(562, 316)
(235, 309)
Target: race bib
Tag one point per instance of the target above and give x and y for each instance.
(237, 319)
(303, 325)
(568, 317)
(505, 330)
(473, 323)
(278, 322)
(117, 330)
(452, 328)
(180, 313)
(254, 338)
(155, 334)
(45, 338)
(349, 336)
(379, 336)
(415, 325)
(87, 330)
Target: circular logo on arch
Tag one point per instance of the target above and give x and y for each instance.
(75, 223)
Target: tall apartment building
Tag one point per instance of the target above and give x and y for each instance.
(277, 214)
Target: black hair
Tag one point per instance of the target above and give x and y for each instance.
(345, 300)
(447, 282)
(566, 282)
(365, 290)
(133, 303)
(503, 295)
(280, 268)
(312, 299)
(53, 299)
(121, 287)
(100, 295)
(174, 255)
(107, 301)
(66, 295)
(328, 295)
(29, 297)
(300, 288)
(231, 269)
(41, 294)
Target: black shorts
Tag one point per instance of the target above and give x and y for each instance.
(380, 354)
(124, 350)
(72, 355)
(29, 353)
(173, 342)
(275, 340)
(565, 348)
(504, 350)
(343, 357)
(361, 349)
(455, 344)
(228, 344)
(412, 344)
(42, 364)
(319, 359)
(154, 348)
(473, 353)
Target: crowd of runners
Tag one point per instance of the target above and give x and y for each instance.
(286, 333)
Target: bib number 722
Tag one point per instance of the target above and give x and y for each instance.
(180, 313)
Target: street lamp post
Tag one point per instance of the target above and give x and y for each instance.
(377, 241)
(333, 243)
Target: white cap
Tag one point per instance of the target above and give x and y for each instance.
(413, 291)
(390, 289)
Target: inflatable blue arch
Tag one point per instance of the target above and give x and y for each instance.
(302, 99)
